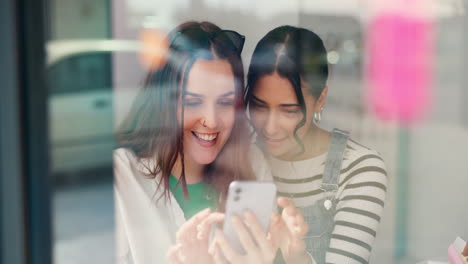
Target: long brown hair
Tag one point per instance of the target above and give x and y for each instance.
(151, 129)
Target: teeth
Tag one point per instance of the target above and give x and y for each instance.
(206, 137)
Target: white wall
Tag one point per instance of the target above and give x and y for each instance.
(438, 153)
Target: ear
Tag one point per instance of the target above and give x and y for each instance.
(320, 103)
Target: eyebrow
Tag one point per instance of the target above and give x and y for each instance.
(192, 94)
(281, 105)
(227, 94)
(290, 105)
(200, 95)
(258, 99)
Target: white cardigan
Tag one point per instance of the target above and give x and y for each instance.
(145, 226)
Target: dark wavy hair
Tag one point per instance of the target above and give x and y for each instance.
(151, 129)
(296, 54)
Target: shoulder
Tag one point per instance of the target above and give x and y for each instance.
(358, 154)
(126, 157)
(362, 161)
(129, 167)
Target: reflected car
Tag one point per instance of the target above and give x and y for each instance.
(81, 102)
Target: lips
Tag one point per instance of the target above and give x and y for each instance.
(205, 139)
(273, 142)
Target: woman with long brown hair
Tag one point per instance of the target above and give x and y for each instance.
(184, 140)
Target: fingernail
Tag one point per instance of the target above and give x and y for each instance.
(297, 229)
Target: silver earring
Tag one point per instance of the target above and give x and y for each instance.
(318, 116)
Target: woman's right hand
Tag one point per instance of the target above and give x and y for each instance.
(192, 239)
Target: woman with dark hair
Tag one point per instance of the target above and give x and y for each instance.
(184, 140)
(338, 184)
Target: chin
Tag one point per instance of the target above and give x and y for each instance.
(274, 151)
(276, 154)
(280, 152)
(205, 161)
(203, 158)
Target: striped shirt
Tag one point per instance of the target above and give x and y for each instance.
(360, 197)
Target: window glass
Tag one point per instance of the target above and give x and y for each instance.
(396, 82)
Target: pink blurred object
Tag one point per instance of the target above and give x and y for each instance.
(454, 256)
(399, 69)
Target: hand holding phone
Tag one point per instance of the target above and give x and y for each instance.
(249, 233)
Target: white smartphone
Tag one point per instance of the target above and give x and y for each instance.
(256, 196)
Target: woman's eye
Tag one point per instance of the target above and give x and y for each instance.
(226, 102)
(258, 107)
(292, 111)
(190, 103)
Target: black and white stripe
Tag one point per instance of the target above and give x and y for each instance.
(360, 196)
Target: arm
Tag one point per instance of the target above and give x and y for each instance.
(123, 252)
(359, 209)
(145, 228)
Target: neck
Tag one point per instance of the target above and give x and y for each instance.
(315, 143)
(193, 171)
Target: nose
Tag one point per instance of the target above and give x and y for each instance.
(209, 118)
(271, 125)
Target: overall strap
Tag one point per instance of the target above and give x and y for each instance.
(336, 148)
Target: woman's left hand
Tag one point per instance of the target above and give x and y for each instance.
(260, 247)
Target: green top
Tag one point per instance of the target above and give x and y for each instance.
(201, 196)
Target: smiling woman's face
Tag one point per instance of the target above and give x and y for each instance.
(275, 114)
(209, 109)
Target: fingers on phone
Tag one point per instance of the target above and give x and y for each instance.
(274, 230)
(257, 231)
(221, 249)
(218, 257)
(244, 236)
(204, 228)
(275, 222)
(284, 202)
(188, 231)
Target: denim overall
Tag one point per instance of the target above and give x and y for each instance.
(320, 215)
